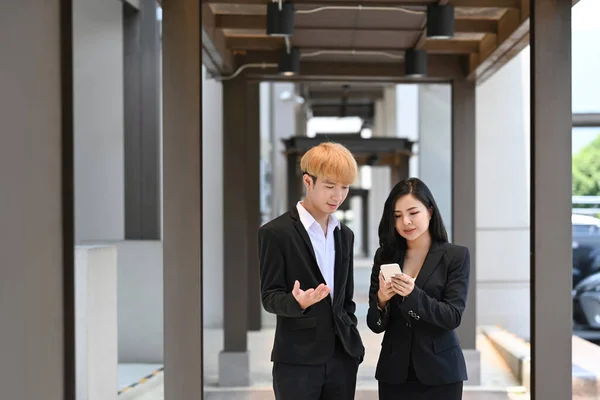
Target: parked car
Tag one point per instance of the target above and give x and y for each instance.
(586, 246)
(586, 303)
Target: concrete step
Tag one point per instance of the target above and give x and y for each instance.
(516, 353)
(514, 350)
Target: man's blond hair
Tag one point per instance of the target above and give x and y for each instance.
(330, 160)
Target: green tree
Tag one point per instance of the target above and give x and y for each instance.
(586, 170)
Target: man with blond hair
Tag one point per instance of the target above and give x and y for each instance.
(307, 280)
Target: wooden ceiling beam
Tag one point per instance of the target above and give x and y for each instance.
(486, 3)
(511, 41)
(475, 25)
(451, 46)
(258, 23)
(215, 54)
(351, 110)
(441, 68)
(336, 94)
(249, 43)
(512, 36)
(433, 46)
(387, 3)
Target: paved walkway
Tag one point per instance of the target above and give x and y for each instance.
(497, 380)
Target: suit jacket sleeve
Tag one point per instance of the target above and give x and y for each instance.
(276, 297)
(349, 304)
(377, 320)
(447, 313)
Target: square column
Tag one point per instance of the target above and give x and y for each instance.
(241, 220)
(37, 294)
(182, 199)
(464, 211)
(551, 175)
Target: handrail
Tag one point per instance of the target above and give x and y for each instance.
(594, 200)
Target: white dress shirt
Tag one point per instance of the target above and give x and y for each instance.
(324, 246)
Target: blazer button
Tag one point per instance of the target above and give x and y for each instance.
(379, 322)
(408, 324)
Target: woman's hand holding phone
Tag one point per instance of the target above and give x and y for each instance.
(403, 284)
(385, 292)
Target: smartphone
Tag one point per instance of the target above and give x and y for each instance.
(389, 270)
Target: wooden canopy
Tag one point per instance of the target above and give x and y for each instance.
(365, 44)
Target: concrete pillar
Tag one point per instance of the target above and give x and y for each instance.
(294, 182)
(252, 202)
(464, 211)
(37, 302)
(389, 106)
(241, 219)
(551, 119)
(301, 112)
(182, 215)
(379, 125)
(141, 47)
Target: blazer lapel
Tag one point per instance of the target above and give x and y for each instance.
(309, 247)
(432, 260)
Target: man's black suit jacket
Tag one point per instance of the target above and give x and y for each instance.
(421, 325)
(286, 254)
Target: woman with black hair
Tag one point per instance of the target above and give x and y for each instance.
(420, 308)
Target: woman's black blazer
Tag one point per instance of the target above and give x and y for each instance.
(421, 326)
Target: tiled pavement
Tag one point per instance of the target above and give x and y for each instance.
(496, 377)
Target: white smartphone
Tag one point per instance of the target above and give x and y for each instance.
(389, 270)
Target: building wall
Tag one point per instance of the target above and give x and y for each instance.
(140, 301)
(212, 207)
(407, 120)
(435, 145)
(502, 180)
(98, 120)
(503, 200)
(282, 125)
(380, 183)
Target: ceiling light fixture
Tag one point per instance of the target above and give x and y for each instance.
(289, 61)
(415, 63)
(440, 21)
(280, 18)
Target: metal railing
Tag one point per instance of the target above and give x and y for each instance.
(586, 200)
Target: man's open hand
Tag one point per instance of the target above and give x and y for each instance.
(307, 298)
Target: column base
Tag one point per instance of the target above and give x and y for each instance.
(473, 360)
(234, 369)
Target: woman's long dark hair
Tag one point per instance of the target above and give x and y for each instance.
(392, 245)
